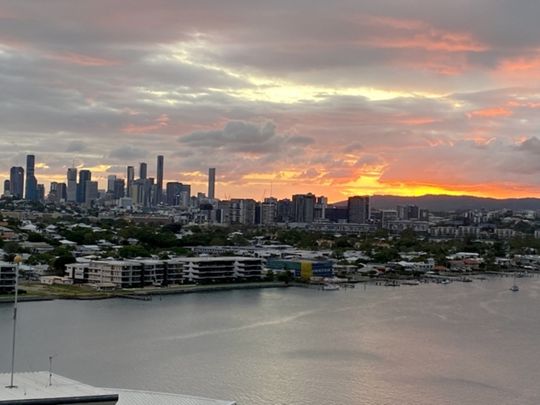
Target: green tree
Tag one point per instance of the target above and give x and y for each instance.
(131, 251)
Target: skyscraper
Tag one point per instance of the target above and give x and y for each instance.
(110, 183)
(31, 193)
(303, 207)
(91, 192)
(143, 170)
(16, 179)
(72, 184)
(130, 178)
(7, 187)
(212, 183)
(358, 208)
(159, 180)
(84, 176)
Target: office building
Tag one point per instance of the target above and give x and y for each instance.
(57, 192)
(177, 194)
(242, 211)
(91, 193)
(84, 176)
(408, 212)
(285, 211)
(303, 207)
(31, 191)
(130, 178)
(40, 193)
(110, 183)
(143, 171)
(16, 180)
(212, 183)
(268, 211)
(72, 184)
(7, 187)
(119, 189)
(358, 209)
(159, 180)
(320, 208)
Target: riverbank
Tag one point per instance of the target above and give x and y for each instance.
(40, 292)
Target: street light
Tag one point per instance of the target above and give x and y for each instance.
(17, 260)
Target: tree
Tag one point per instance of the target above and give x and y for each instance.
(285, 276)
(129, 252)
(59, 264)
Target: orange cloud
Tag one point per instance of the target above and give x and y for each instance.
(520, 64)
(82, 60)
(419, 34)
(490, 113)
(415, 121)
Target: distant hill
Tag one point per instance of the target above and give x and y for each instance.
(452, 203)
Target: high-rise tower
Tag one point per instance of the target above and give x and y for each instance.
(130, 179)
(16, 182)
(84, 177)
(143, 170)
(72, 184)
(212, 183)
(31, 182)
(358, 209)
(159, 180)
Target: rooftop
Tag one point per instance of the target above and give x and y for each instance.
(31, 387)
(34, 388)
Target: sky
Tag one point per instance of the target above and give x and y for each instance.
(338, 98)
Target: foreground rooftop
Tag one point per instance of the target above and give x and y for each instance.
(34, 389)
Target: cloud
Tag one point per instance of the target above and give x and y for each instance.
(128, 152)
(334, 98)
(76, 146)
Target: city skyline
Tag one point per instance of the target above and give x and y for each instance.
(341, 99)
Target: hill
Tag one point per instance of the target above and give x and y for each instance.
(452, 203)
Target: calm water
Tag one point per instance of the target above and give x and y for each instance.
(474, 343)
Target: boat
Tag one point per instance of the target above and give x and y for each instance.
(466, 280)
(392, 283)
(514, 287)
(445, 281)
(330, 287)
(411, 282)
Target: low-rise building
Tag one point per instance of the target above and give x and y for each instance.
(120, 273)
(8, 273)
(203, 270)
(302, 268)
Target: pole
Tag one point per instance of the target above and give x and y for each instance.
(50, 370)
(17, 261)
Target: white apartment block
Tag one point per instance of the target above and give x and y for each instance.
(221, 269)
(7, 277)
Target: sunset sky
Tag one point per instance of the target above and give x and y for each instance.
(403, 97)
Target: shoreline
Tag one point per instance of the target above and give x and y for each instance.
(142, 293)
(147, 293)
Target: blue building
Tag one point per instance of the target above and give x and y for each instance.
(302, 268)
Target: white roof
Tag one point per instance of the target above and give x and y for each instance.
(35, 385)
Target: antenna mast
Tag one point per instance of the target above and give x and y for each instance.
(17, 260)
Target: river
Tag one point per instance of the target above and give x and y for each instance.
(462, 343)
